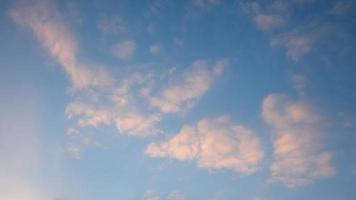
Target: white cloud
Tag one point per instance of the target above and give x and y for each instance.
(274, 17)
(174, 195)
(117, 102)
(266, 22)
(182, 94)
(203, 3)
(300, 83)
(269, 17)
(296, 45)
(88, 114)
(259, 198)
(127, 105)
(183, 146)
(151, 195)
(298, 155)
(47, 25)
(111, 25)
(138, 124)
(124, 50)
(213, 144)
(155, 48)
(117, 106)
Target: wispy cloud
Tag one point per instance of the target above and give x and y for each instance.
(89, 115)
(297, 45)
(124, 50)
(298, 156)
(111, 25)
(213, 144)
(155, 48)
(300, 83)
(47, 25)
(99, 99)
(174, 195)
(194, 83)
(287, 30)
(267, 18)
(203, 3)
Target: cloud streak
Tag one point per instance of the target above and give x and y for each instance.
(47, 25)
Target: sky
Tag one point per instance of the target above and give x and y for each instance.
(177, 100)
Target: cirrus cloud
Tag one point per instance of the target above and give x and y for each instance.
(47, 24)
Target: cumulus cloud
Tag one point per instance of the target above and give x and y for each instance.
(47, 25)
(298, 155)
(183, 93)
(213, 144)
(124, 50)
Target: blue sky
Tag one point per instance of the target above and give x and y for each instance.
(177, 100)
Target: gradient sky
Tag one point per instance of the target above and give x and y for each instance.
(177, 100)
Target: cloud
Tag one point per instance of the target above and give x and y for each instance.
(137, 124)
(111, 25)
(182, 94)
(98, 99)
(298, 156)
(300, 83)
(127, 104)
(119, 107)
(155, 48)
(88, 115)
(277, 17)
(266, 18)
(174, 195)
(297, 45)
(47, 25)
(202, 3)
(124, 50)
(266, 22)
(213, 144)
